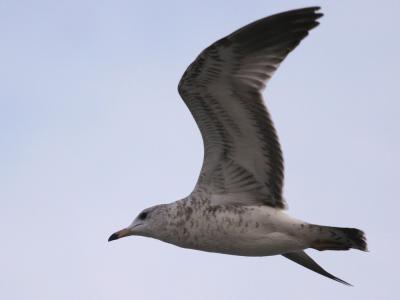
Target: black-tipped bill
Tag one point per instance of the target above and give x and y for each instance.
(113, 237)
(119, 234)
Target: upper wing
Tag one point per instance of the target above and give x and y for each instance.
(222, 89)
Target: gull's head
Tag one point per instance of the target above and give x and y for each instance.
(149, 223)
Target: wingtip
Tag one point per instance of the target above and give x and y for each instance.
(317, 13)
(316, 10)
(309, 8)
(342, 281)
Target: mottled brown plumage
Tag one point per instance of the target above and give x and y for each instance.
(236, 206)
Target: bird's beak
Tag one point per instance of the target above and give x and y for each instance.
(119, 234)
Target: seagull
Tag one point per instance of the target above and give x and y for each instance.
(237, 205)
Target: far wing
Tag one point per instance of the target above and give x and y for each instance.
(306, 261)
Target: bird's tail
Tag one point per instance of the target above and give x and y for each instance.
(338, 238)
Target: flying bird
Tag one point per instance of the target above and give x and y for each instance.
(237, 205)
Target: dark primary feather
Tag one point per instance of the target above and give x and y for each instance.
(222, 89)
(306, 261)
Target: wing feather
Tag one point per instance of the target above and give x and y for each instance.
(222, 89)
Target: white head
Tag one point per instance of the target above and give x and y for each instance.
(150, 222)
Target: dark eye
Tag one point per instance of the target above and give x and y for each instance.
(142, 215)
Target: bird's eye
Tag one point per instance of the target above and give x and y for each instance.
(142, 216)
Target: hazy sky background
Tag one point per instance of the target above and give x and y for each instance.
(92, 130)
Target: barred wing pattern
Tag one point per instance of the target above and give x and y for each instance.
(222, 89)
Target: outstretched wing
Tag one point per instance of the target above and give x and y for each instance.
(222, 89)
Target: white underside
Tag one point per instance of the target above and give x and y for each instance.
(260, 231)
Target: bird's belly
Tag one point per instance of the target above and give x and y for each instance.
(247, 235)
(269, 244)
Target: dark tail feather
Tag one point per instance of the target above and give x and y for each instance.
(338, 238)
(306, 261)
(357, 238)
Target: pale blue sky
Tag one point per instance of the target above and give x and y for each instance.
(92, 130)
